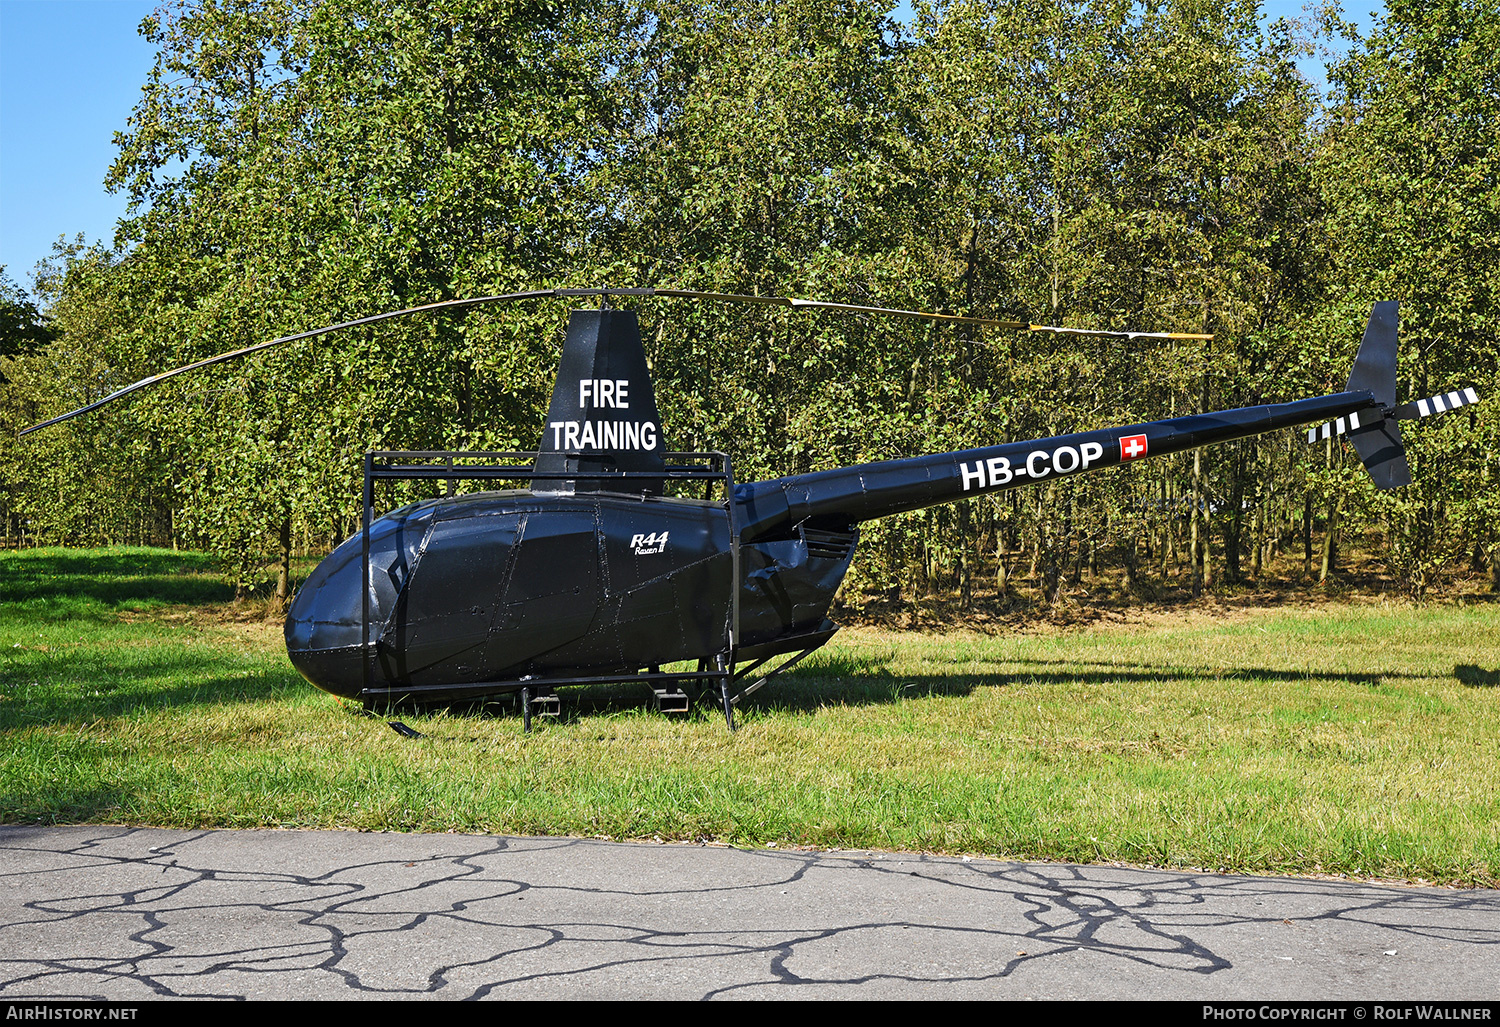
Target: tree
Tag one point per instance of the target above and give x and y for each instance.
(1411, 178)
(1111, 165)
(23, 329)
(294, 164)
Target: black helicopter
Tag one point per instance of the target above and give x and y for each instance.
(595, 574)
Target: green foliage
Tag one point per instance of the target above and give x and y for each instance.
(1411, 177)
(1157, 166)
(23, 329)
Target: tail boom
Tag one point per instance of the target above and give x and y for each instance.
(865, 492)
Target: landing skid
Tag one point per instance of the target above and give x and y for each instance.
(539, 696)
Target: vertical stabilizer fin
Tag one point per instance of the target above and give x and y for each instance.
(603, 414)
(1373, 431)
(1375, 363)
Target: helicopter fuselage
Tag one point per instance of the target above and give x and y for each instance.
(501, 587)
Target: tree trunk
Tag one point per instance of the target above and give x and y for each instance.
(284, 566)
(1307, 519)
(1330, 540)
(1257, 539)
(966, 541)
(1194, 554)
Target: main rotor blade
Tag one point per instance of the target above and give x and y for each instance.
(780, 301)
(155, 378)
(823, 305)
(792, 301)
(1115, 335)
(723, 297)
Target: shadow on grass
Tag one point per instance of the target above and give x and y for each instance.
(142, 687)
(72, 580)
(85, 583)
(61, 804)
(852, 680)
(1477, 677)
(989, 612)
(861, 681)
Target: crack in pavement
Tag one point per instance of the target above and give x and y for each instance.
(122, 913)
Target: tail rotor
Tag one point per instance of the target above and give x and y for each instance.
(1373, 431)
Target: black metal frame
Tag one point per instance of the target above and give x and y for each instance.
(388, 465)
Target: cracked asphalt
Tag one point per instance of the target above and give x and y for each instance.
(130, 914)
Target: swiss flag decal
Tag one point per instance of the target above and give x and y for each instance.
(1132, 447)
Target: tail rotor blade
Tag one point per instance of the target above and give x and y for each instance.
(1434, 405)
(1334, 428)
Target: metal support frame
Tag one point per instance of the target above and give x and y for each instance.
(446, 466)
(759, 682)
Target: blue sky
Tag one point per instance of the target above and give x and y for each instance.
(70, 73)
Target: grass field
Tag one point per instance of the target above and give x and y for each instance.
(1355, 738)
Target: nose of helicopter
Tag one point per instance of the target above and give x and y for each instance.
(327, 634)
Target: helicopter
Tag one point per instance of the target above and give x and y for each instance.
(597, 573)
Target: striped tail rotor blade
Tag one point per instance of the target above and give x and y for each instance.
(1341, 426)
(1439, 404)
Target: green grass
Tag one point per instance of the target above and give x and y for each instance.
(1356, 739)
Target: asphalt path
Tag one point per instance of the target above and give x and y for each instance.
(132, 914)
